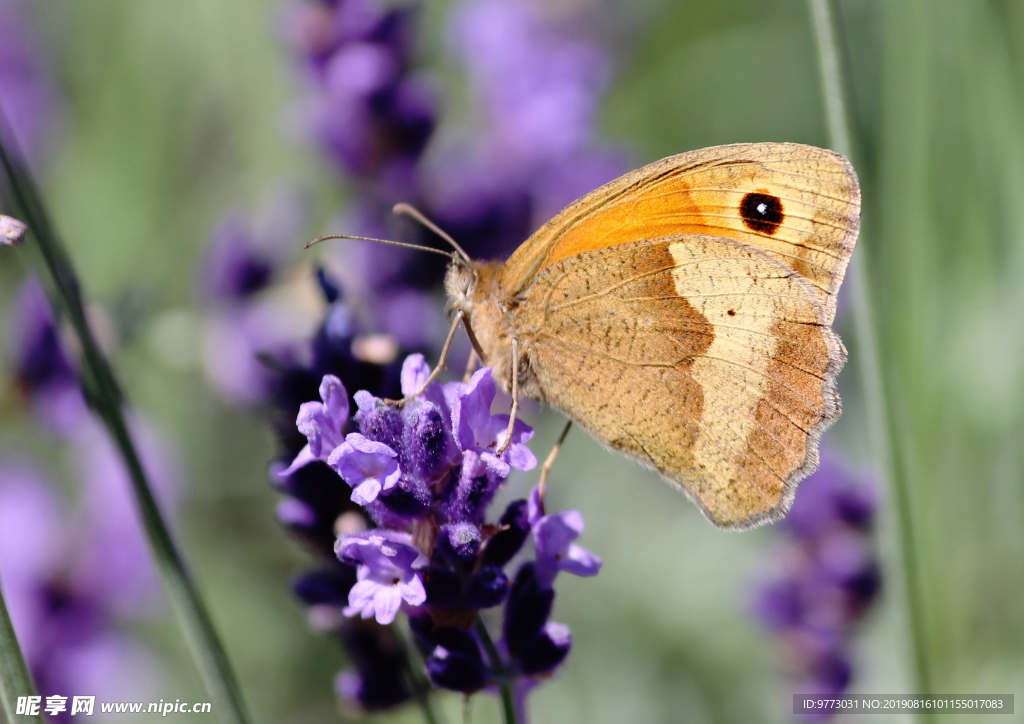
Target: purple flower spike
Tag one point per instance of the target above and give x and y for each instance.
(368, 466)
(322, 424)
(387, 573)
(479, 432)
(553, 537)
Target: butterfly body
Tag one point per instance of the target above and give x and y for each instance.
(681, 314)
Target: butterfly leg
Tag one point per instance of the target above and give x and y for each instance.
(471, 365)
(515, 399)
(550, 462)
(440, 363)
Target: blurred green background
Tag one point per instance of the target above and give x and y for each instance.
(177, 112)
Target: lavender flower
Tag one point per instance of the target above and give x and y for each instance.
(432, 552)
(44, 374)
(536, 87)
(321, 423)
(479, 433)
(27, 95)
(553, 537)
(387, 571)
(67, 624)
(428, 470)
(369, 467)
(825, 580)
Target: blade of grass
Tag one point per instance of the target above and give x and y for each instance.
(824, 15)
(105, 395)
(15, 680)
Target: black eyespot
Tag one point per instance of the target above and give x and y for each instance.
(732, 312)
(761, 212)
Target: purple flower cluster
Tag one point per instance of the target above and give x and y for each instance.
(247, 320)
(826, 578)
(27, 95)
(536, 85)
(45, 377)
(71, 579)
(368, 107)
(425, 474)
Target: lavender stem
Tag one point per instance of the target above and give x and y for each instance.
(872, 383)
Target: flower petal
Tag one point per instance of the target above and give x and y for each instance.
(412, 591)
(387, 602)
(304, 458)
(335, 398)
(366, 492)
(415, 372)
(580, 562)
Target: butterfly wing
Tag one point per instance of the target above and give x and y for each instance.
(700, 356)
(798, 204)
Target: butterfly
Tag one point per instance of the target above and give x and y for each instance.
(681, 314)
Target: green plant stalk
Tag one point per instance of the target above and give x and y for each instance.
(103, 392)
(508, 701)
(872, 383)
(15, 680)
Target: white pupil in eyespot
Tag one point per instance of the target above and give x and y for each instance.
(762, 208)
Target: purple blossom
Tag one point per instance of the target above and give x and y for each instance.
(387, 573)
(429, 470)
(369, 467)
(235, 267)
(322, 424)
(27, 93)
(43, 369)
(479, 433)
(66, 622)
(553, 537)
(825, 576)
(113, 557)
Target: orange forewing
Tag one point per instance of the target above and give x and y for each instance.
(702, 192)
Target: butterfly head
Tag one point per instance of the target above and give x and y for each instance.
(460, 283)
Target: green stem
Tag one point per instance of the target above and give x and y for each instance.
(508, 701)
(15, 680)
(104, 394)
(878, 416)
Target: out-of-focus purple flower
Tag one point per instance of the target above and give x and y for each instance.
(826, 576)
(43, 371)
(234, 267)
(238, 342)
(537, 86)
(245, 254)
(114, 561)
(249, 329)
(387, 573)
(368, 466)
(65, 620)
(553, 537)
(27, 95)
(366, 107)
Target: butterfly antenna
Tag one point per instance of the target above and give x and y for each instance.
(406, 209)
(318, 239)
